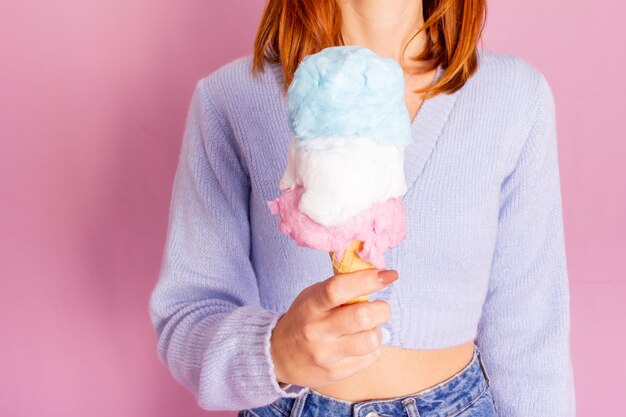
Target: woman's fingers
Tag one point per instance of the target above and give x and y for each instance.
(341, 288)
(358, 317)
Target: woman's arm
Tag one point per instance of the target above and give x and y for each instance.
(524, 330)
(212, 333)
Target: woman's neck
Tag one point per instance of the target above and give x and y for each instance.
(385, 27)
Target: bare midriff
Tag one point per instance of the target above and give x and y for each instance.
(399, 372)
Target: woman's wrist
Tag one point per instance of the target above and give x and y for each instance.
(273, 353)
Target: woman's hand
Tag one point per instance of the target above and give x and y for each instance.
(319, 340)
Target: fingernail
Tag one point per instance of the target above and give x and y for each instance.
(386, 277)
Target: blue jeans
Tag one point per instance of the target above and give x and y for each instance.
(465, 394)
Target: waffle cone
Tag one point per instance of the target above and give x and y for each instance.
(350, 262)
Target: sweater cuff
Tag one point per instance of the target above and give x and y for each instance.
(257, 374)
(289, 390)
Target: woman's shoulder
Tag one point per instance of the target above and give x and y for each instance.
(235, 78)
(514, 91)
(508, 85)
(236, 93)
(509, 73)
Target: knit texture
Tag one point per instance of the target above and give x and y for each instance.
(484, 258)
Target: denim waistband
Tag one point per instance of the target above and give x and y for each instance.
(441, 400)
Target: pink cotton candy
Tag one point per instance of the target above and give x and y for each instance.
(380, 227)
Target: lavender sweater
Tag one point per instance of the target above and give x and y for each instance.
(484, 258)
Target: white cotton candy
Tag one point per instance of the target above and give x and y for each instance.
(343, 176)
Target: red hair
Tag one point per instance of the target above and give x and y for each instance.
(291, 29)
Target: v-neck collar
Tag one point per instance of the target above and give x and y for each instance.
(426, 129)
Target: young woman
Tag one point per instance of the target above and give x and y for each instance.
(476, 320)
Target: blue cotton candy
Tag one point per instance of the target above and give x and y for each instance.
(349, 91)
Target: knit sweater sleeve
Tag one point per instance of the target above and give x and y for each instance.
(213, 335)
(524, 329)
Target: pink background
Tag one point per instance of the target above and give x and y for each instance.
(93, 97)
